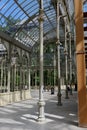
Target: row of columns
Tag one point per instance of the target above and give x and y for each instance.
(13, 76)
(49, 77)
(41, 103)
(3, 77)
(82, 95)
(19, 77)
(66, 56)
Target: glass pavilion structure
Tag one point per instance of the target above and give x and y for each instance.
(43, 42)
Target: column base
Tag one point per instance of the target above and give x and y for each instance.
(59, 104)
(59, 99)
(41, 119)
(41, 116)
(71, 90)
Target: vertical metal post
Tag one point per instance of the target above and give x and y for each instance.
(21, 81)
(58, 56)
(54, 68)
(36, 78)
(13, 78)
(41, 103)
(66, 65)
(50, 77)
(70, 60)
(29, 78)
(15, 70)
(8, 80)
(9, 69)
(21, 74)
(17, 78)
(29, 73)
(2, 75)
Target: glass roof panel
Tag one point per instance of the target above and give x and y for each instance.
(85, 7)
(19, 19)
(30, 6)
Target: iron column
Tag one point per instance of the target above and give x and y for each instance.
(58, 56)
(70, 60)
(66, 65)
(41, 103)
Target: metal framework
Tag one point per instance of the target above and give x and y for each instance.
(27, 27)
(19, 19)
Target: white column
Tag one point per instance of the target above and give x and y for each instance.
(4, 77)
(54, 68)
(17, 80)
(41, 103)
(58, 55)
(36, 78)
(70, 63)
(29, 84)
(21, 75)
(21, 82)
(29, 73)
(8, 80)
(15, 69)
(1, 75)
(66, 65)
(9, 69)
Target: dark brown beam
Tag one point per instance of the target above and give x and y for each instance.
(80, 58)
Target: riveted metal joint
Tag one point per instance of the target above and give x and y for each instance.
(58, 42)
(41, 12)
(65, 51)
(70, 60)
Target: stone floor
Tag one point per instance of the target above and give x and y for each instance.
(23, 115)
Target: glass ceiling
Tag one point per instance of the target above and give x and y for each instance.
(19, 19)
